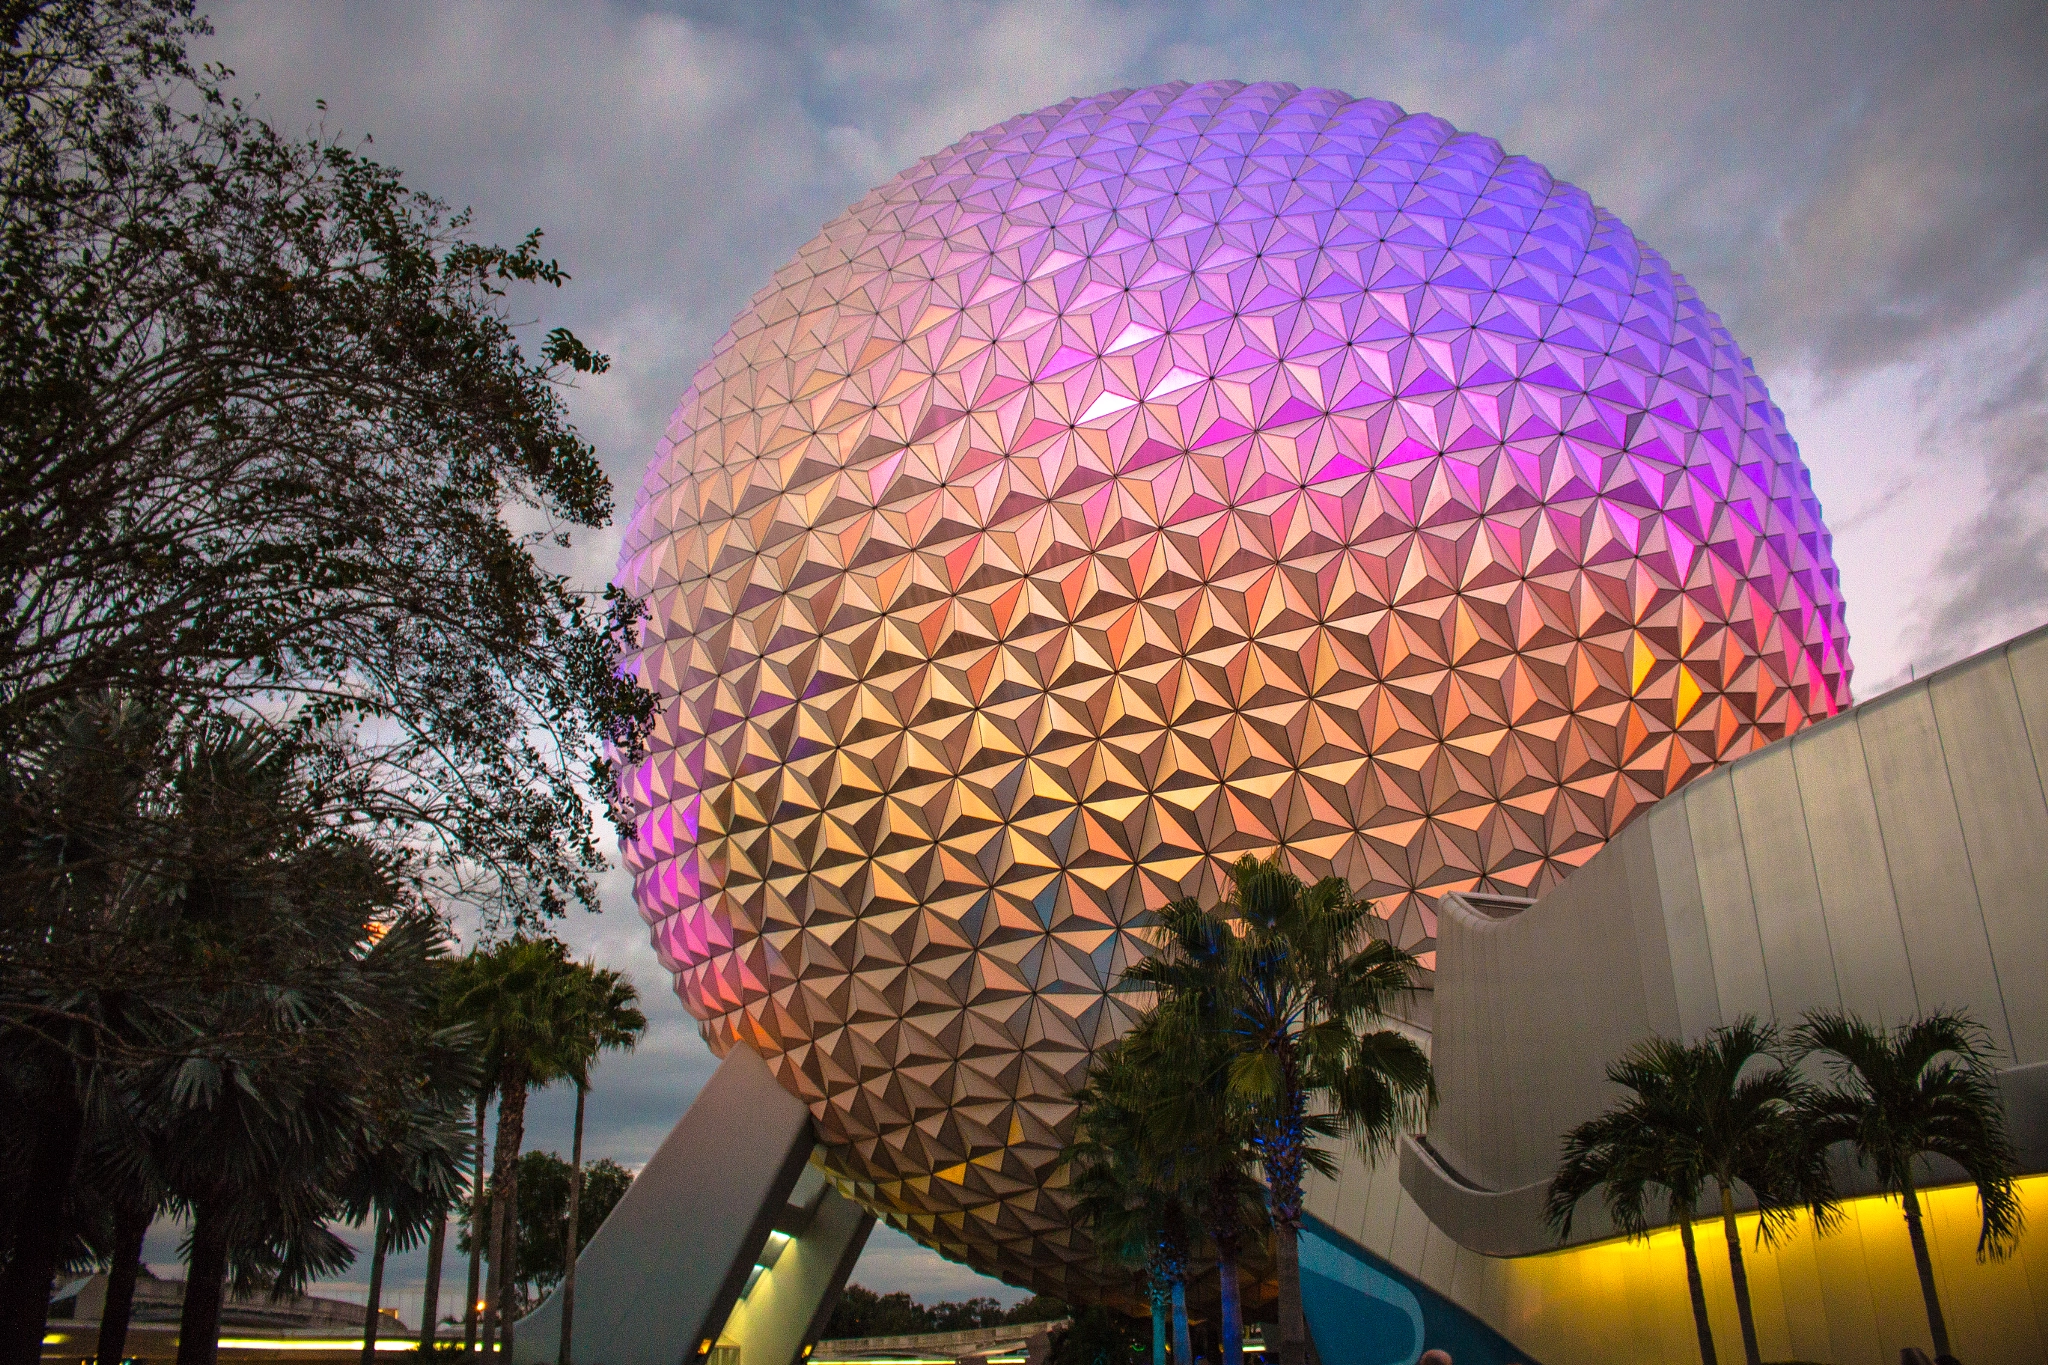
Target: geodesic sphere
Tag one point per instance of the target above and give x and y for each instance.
(1146, 481)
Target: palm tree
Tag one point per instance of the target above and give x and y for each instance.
(76, 808)
(1129, 1193)
(410, 1149)
(124, 1264)
(430, 1291)
(445, 977)
(472, 1307)
(1926, 1087)
(1725, 1112)
(1294, 987)
(256, 1149)
(264, 1067)
(520, 996)
(606, 1017)
(1207, 1135)
(118, 1177)
(1631, 1150)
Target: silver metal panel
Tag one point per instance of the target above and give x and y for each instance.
(1511, 1026)
(1522, 1028)
(1861, 844)
(1638, 856)
(1584, 934)
(1739, 977)
(2028, 659)
(1507, 1019)
(1923, 841)
(1798, 960)
(1685, 919)
(1439, 1259)
(2005, 827)
(1854, 878)
(1463, 982)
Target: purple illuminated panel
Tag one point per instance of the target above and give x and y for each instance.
(1145, 481)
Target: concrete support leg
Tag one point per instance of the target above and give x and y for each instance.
(726, 1238)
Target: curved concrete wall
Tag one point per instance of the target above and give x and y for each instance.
(1890, 861)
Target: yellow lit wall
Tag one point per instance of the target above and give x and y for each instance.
(1850, 1298)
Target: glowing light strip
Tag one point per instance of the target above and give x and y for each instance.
(292, 1343)
(317, 1344)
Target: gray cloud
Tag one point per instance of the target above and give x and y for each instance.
(1991, 581)
(1855, 187)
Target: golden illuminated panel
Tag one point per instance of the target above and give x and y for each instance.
(1852, 1295)
(1145, 481)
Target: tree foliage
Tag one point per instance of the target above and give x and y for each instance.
(1714, 1116)
(1292, 977)
(543, 1209)
(1925, 1088)
(861, 1312)
(287, 668)
(259, 1046)
(1722, 1110)
(1098, 1335)
(270, 438)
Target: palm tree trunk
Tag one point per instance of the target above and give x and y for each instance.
(572, 1235)
(507, 1306)
(131, 1227)
(1226, 1234)
(39, 1231)
(373, 1309)
(1936, 1324)
(206, 1273)
(1697, 1287)
(1282, 1158)
(1287, 1264)
(1158, 1324)
(498, 1306)
(479, 1219)
(1740, 1276)
(1183, 1351)
(430, 1302)
(1232, 1343)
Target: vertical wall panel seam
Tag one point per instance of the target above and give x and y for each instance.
(1763, 955)
(1885, 850)
(1691, 869)
(2020, 708)
(1820, 895)
(1948, 778)
(2033, 749)
(1706, 920)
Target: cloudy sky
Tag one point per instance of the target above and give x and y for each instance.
(1858, 189)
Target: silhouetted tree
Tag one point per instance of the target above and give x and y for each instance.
(1133, 1189)
(606, 1018)
(543, 1211)
(1719, 1114)
(1924, 1088)
(522, 998)
(269, 445)
(1296, 991)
